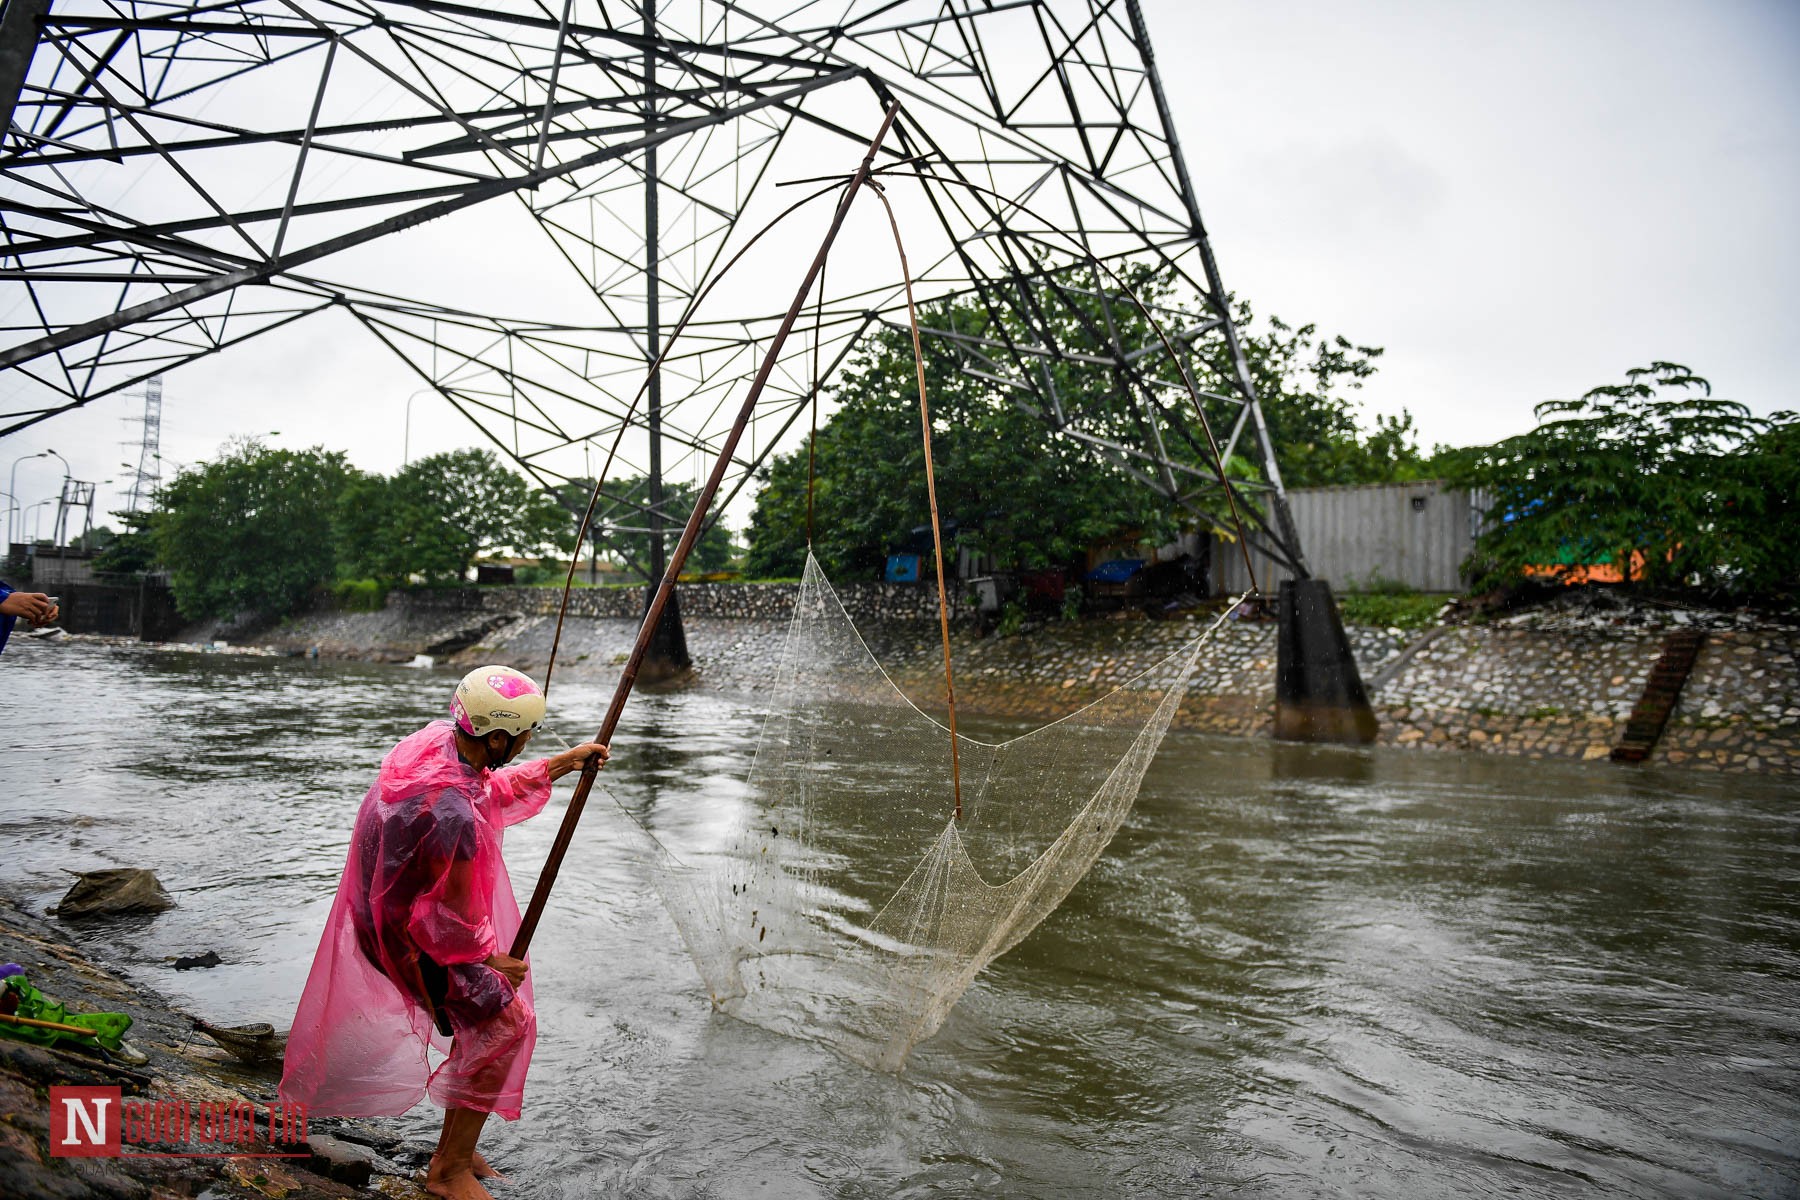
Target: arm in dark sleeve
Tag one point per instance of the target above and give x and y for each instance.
(6, 623)
(450, 917)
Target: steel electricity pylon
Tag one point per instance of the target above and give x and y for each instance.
(146, 475)
(179, 178)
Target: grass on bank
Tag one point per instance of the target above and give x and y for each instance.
(359, 595)
(1391, 610)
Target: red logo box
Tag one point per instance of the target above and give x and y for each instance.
(84, 1122)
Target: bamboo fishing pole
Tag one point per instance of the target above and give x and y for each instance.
(565, 834)
(937, 531)
(56, 1026)
(1155, 325)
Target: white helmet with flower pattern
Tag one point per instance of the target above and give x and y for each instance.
(497, 700)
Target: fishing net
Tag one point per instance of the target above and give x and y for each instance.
(850, 905)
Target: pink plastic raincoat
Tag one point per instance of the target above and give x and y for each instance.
(424, 900)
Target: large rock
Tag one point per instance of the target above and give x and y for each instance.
(118, 890)
(468, 634)
(346, 1161)
(363, 1133)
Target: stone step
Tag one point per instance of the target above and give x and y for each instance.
(1662, 688)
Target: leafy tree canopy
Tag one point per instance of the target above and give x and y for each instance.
(258, 529)
(249, 530)
(1693, 491)
(132, 550)
(1010, 485)
(620, 524)
(1301, 379)
(632, 494)
(1014, 485)
(438, 514)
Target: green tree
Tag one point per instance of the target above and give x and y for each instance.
(438, 514)
(363, 521)
(1010, 484)
(1302, 381)
(1767, 554)
(132, 551)
(1024, 491)
(1654, 471)
(249, 530)
(620, 524)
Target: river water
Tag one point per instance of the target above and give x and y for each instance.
(1296, 971)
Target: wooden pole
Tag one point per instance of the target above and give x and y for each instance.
(566, 833)
(587, 519)
(58, 1026)
(1180, 366)
(937, 532)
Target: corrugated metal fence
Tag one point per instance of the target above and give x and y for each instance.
(1362, 538)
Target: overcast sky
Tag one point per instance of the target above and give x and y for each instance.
(1518, 201)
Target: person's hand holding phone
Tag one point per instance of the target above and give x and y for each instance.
(34, 607)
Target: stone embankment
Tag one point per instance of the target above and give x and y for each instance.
(333, 1160)
(733, 601)
(1569, 693)
(1558, 681)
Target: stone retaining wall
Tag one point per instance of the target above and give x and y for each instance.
(1741, 706)
(1568, 694)
(1521, 691)
(735, 601)
(1537, 692)
(1540, 694)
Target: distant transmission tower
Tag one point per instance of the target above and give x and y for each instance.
(147, 477)
(76, 494)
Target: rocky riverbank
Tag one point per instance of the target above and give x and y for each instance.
(331, 1160)
(1558, 680)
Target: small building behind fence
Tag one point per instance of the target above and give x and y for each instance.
(140, 606)
(55, 567)
(1369, 537)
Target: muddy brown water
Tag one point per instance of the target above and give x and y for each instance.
(1296, 972)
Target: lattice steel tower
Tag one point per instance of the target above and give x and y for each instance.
(177, 178)
(146, 477)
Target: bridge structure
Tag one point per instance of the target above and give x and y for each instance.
(181, 177)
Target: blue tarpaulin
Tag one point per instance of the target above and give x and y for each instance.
(1119, 570)
(903, 568)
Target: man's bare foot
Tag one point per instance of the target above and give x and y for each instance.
(482, 1170)
(460, 1186)
(453, 1167)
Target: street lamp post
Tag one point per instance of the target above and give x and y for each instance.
(12, 486)
(31, 508)
(406, 439)
(61, 490)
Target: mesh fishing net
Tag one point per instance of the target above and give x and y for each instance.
(850, 905)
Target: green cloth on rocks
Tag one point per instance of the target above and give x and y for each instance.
(108, 1028)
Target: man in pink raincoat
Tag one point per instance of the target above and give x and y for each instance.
(414, 958)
